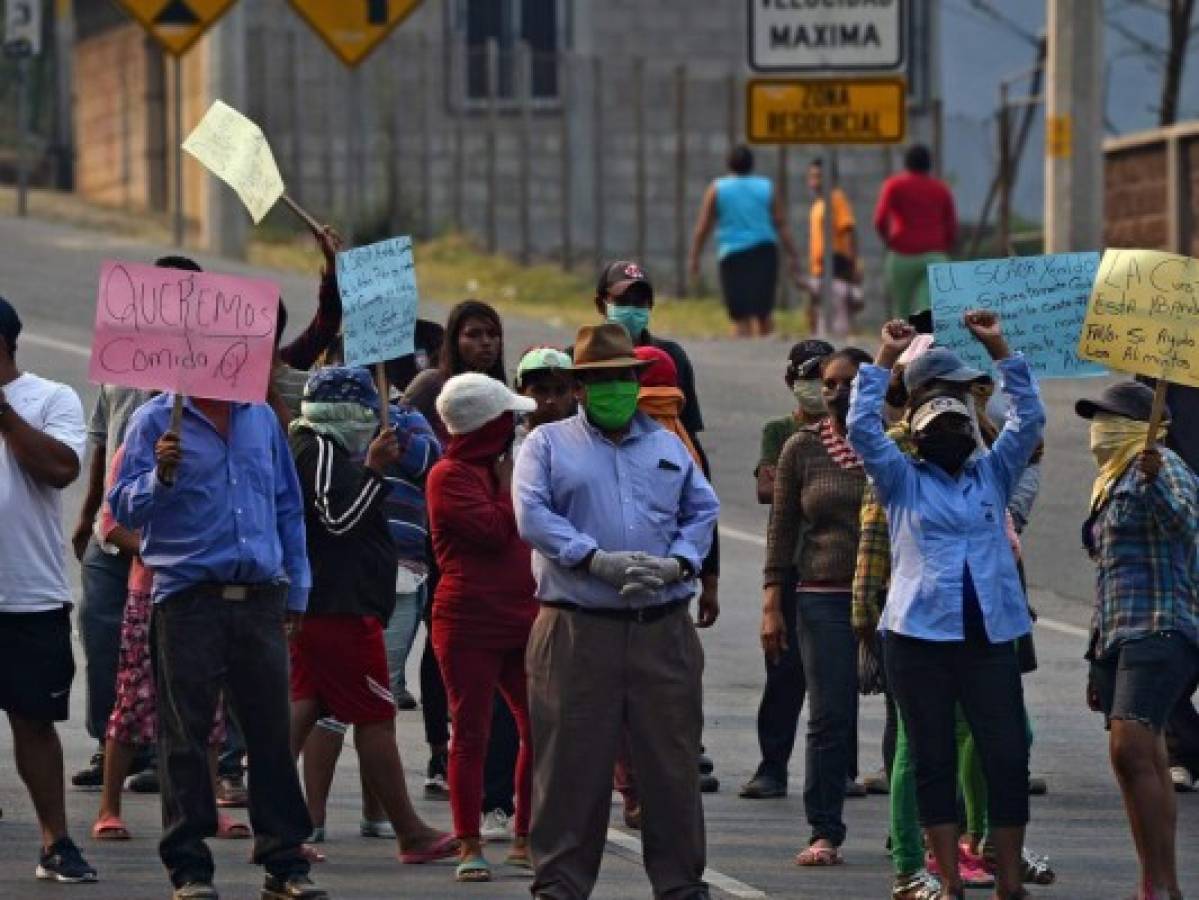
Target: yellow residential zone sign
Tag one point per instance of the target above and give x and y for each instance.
(827, 111)
(176, 24)
(353, 28)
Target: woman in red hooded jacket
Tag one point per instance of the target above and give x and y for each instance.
(484, 606)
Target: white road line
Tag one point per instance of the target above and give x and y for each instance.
(738, 535)
(1052, 624)
(50, 343)
(1063, 627)
(718, 880)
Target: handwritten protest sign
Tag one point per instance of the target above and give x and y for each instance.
(236, 151)
(1143, 316)
(194, 333)
(379, 299)
(1041, 299)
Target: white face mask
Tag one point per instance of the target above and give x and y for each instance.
(808, 394)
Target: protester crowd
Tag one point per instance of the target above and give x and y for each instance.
(255, 574)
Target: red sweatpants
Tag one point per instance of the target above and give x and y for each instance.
(471, 677)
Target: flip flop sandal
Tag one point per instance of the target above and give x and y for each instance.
(310, 853)
(473, 869)
(820, 856)
(444, 847)
(229, 829)
(110, 828)
(520, 861)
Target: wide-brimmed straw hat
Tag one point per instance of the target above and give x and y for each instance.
(606, 346)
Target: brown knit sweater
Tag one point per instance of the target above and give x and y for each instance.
(817, 500)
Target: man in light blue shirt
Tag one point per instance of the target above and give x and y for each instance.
(620, 519)
(222, 527)
(955, 604)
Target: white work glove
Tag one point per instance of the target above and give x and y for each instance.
(614, 567)
(652, 574)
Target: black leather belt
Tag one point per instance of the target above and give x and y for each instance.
(643, 614)
(238, 593)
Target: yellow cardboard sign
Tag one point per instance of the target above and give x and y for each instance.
(826, 111)
(1143, 316)
(236, 151)
(353, 28)
(176, 24)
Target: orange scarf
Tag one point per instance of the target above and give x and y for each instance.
(663, 405)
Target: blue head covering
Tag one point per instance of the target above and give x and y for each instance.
(342, 384)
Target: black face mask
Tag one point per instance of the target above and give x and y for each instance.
(947, 449)
(838, 406)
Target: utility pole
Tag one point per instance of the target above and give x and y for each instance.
(1074, 126)
(227, 222)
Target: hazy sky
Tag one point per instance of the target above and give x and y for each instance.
(977, 51)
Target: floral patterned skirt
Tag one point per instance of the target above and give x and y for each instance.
(134, 718)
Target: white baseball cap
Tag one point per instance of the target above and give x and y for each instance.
(470, 401)
(935, 408)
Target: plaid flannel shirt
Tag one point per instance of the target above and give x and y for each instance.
(1145, 541)
(873, 571)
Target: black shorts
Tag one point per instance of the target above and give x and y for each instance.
(1145, 678)
(36, 665)
(748, 280)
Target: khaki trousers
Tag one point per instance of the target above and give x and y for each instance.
(589, 678)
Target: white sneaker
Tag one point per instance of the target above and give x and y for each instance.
(1184, 783)
(496, 826)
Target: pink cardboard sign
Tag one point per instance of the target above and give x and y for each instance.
(196, 333)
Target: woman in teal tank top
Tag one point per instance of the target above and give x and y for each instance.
(748, 217)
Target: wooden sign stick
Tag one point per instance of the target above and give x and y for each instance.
(1155, 416)
(168, 471)
(381, 382)
(308, 220)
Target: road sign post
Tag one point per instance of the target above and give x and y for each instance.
(352, 29)
(826, 110)
(23, 40)
(854, 42)
(824, 37)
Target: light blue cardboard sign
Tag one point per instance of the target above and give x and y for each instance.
(1041, 299)
(378, 300)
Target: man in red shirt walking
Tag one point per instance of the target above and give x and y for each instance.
(916, 219)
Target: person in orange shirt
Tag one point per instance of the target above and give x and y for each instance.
(847, 294)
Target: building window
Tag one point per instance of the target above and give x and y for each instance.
(537, 23)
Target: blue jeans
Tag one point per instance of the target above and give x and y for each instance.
(782, 698)
(105, 586)
(400, 633)
(829, 654)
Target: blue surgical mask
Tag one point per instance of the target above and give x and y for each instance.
(635, 319)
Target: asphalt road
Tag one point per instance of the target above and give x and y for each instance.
(49, 272)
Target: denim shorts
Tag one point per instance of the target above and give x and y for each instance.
(1144, 678)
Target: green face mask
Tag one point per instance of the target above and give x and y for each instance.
(808, 395)
(635, 319)
(611, 404)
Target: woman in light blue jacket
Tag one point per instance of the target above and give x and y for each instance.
(955, 605)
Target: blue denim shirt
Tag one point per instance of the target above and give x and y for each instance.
(940, 525)
(234, 515)
(575, 491)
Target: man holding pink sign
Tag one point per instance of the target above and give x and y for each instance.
(209, 481)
